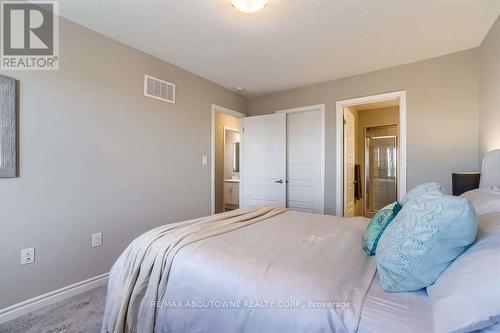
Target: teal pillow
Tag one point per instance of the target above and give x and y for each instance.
(377, 226)
(425, 237)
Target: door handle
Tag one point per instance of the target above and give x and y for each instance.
(279, 181)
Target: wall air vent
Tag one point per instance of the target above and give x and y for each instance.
(159, 89)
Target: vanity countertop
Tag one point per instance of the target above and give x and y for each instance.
(232, 180)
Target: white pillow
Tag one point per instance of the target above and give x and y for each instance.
(466, 297)
(484, 200)
(491, 329)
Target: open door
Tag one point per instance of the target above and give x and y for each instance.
(349, 161)
(263, 159)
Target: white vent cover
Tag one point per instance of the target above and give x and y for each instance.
(159, 89)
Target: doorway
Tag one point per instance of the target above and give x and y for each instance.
(231, 169)
(225, 166)
(371, 153)
(380, 167)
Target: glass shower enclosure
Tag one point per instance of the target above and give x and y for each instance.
(380, 167)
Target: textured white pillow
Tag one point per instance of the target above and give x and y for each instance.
(466, 297)
(484, 200)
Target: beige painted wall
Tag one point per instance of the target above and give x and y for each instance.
(221, 120)
(489, 88)
(370, 118)
(96, 155)
(442, 97)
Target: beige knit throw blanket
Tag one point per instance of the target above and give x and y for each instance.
(147, 261)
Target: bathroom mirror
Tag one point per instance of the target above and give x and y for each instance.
(236, 157)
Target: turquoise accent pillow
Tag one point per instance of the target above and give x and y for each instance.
(425, 237)
(377, 225)
(427, 189)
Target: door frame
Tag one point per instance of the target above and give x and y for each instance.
(344, 164)
(339, 125)
(322, 109)
(221, 109)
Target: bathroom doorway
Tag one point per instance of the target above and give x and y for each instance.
(380, 165)
(372, 164)
(225, 158)
(231, 166)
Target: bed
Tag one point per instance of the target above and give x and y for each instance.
(292, 272)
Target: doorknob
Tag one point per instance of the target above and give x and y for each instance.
(279, 181)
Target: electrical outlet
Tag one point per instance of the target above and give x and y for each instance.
(27, 256)
(97, 239)
(204, 160)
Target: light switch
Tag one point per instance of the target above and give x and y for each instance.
(97, 239)
(204, 160)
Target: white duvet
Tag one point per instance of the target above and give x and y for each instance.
(294, 272)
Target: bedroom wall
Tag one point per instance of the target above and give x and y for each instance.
(96, 155)
(489, 91)
(442, 114)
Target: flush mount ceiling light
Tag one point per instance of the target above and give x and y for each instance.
(249, 6)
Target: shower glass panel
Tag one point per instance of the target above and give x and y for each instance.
(380, 167)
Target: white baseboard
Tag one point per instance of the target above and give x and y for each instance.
(54, 296)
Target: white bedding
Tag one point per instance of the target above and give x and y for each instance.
(409, 312)
(142, 277)
(292, 257)
(383, 312)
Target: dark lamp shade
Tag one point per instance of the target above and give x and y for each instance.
(465, 181)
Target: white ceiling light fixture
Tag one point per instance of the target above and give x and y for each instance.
(249, 6)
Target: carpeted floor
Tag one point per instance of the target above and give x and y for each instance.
(80, 313)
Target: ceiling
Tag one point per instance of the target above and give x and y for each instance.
(290, 43)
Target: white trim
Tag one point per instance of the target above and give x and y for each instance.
(242, 124)
(217, 108)
(339, 120)
(322, 108)
(54, 296)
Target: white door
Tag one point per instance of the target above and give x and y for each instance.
(349, 160)
(305, 160)
(263, 159)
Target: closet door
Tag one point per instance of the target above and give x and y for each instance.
(305, 189)
(263, 159)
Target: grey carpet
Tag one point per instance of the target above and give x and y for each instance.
(80, 313)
